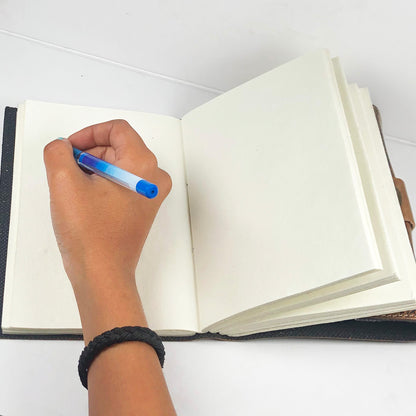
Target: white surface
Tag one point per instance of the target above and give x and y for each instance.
(288, 377)
(220, 43)
(205, 378)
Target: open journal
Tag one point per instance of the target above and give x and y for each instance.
(282, 214)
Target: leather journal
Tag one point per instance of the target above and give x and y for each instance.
(391, 327)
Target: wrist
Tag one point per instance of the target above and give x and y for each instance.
(92, 274)
(106, 300)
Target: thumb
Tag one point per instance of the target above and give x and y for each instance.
(60, 163)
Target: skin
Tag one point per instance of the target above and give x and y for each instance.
(100, 229)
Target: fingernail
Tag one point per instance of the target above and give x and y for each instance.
(63, 139)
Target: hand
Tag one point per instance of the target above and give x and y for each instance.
(99, 224)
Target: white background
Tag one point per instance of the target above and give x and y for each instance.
(168, 57)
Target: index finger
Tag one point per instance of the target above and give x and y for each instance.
(115, 133)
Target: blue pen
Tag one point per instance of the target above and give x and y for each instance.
(115, 174)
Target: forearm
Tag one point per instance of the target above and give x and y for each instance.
(126, 375)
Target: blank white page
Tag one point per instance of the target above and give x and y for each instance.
(39, 291)
(277, 206)
(389, 298)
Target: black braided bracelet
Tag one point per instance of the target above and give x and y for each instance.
(116, 336)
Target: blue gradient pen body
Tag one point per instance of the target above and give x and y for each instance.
(115, 174)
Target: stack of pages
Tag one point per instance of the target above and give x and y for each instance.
(283, 212)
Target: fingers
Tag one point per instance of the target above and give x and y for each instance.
(106, 153)
(60, 163)
(116, 142)
(115, 133)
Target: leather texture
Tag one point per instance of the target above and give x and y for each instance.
(407, 316)
(399, 185)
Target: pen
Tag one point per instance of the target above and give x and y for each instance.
(115, 174)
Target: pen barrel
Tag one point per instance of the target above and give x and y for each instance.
(116, 174)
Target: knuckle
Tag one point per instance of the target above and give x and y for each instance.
(147, 163)
(61, 179)
(124, 132)
(62, 176)
(150, 160)
(165, 182)
(121, 125)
